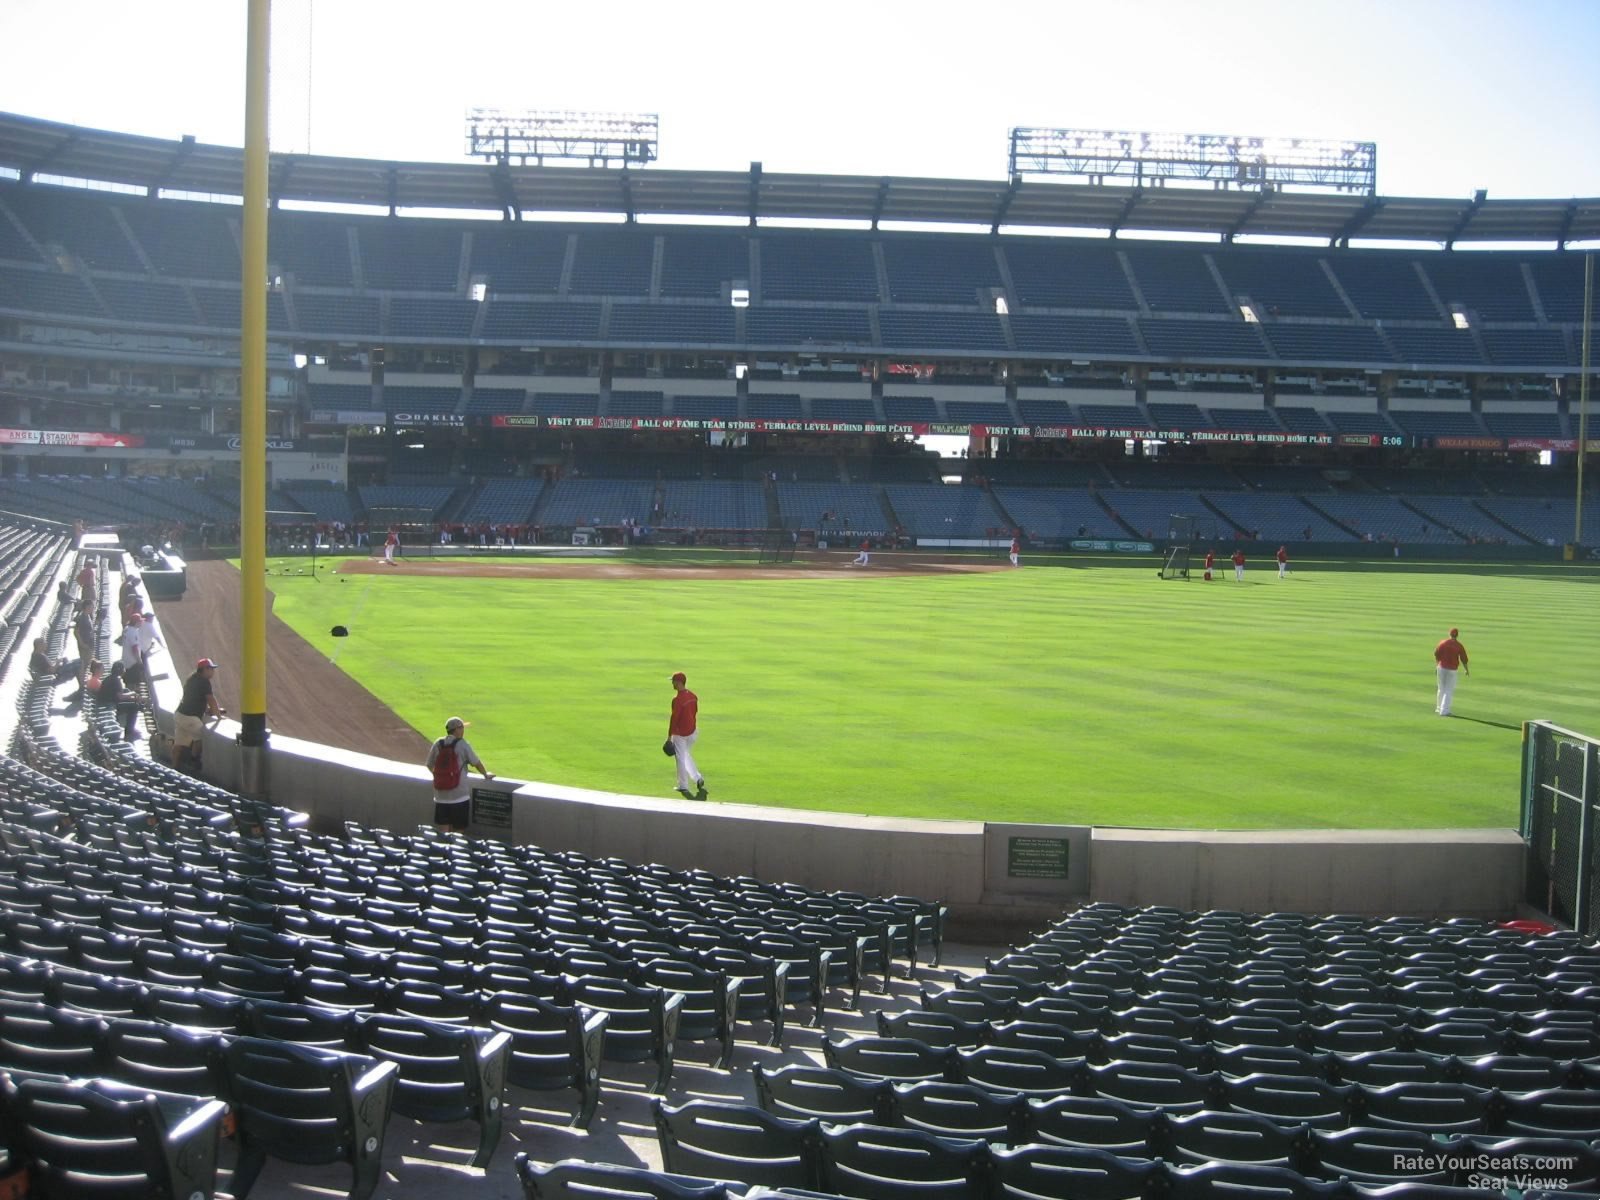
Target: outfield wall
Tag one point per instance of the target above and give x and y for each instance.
(996, 878)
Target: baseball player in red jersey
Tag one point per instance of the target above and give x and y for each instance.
(1211, 560)
(681, 733)
(1283, 561)
(1238, 566)
(1450, 655)
(1016, 552)
(389, 543)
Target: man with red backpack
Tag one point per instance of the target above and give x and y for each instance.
(449, 759)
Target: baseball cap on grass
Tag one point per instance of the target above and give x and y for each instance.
(203, 662)
(679, 677)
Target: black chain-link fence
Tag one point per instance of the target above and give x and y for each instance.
(1560, 798)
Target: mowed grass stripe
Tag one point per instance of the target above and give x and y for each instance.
(1097, 695)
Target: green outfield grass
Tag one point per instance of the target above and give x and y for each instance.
(1081, 695)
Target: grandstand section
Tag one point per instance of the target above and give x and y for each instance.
(457, 352)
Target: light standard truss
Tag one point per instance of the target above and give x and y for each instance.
(1223, 161)
(600, 139)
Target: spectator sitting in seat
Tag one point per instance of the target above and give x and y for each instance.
(44, 667)
(114, 693)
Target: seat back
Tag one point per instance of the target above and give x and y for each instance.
(85, 1143)
(308, 1105)
(900, 1164)
(552, 1046)
(572, 1179)
(1071, 1173)
(804, 1091)
(736, 1142)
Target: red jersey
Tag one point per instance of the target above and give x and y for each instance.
(1450, 654)
(1283, 555)
(1238, 558)
(1210, 560)
(392, 540)
(685, 706)
(1016, 546)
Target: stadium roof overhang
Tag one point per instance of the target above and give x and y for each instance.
(36, 147)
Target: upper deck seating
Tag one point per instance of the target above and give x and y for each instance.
(939, 270)
(522, 261)
(1064, 335)
(410, 255)
(1055, 273)
(1488, 285)
(1176, 279)
(1281, 282)
(1383, 286)
(703, 266)
(808, 266)
(612, 262)
(313, 248)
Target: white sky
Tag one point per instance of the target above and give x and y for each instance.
(1459, 95)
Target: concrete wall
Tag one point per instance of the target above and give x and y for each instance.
(989, 881)
(1462, 872)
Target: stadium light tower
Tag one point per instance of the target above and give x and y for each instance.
(600, 139)
(1187, 159)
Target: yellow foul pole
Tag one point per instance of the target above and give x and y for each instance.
(1583, 391)
(253, 412)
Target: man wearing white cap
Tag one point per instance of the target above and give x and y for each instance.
(681, 737)
(449, 760)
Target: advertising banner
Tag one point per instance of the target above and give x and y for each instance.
(69, 437)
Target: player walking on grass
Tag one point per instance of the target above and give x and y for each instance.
(1016, 551)
(1238, 566)
(389, 544)
(681, 736)
(1449, 654)
(1283, 561)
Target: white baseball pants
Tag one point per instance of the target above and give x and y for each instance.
(688, 773)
